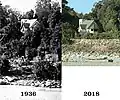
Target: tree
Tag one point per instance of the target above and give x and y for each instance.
(30, 14)
(67, 33)
(106, 11)
(42, 8)
(71, 19)
(88, 16)
(2, 16)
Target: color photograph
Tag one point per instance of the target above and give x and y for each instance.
(91, 33)
(90, 49)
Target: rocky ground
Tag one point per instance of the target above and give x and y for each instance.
(88, 59)
(92, 52)
(7, 80)
(22, 74)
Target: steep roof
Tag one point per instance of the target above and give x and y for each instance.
(88, 23)
(32, 21)
(28, 21)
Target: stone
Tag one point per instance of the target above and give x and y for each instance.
(4, 82)
(9, 78)
(110, 60)
(48, 83)
(37, 84)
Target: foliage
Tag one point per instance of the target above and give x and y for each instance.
(113, 34)
(70, 23)
(46, 34)
(4, 66)
(47, 70)
(2, 16)
(88, 16)
(49, 18)
(106, 13)
(70, 16)
(67, 33)
(28, 15)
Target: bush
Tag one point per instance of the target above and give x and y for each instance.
(46, 70)
(67, 33)
(104, 35)
(4, 66)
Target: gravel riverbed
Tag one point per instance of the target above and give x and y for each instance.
(90, 59)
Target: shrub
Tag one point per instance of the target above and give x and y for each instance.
(46, 70)
(67, 33)
(4, 66)
(104, 35)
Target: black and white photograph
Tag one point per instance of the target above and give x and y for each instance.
(30, 49)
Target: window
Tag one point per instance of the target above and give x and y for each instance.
(92, 29)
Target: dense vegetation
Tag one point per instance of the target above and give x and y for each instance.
(70, 20)
(106, 14)
(43, 39)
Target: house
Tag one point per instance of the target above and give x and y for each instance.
(27, 24)
(87, 26)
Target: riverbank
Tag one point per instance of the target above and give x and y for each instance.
(92, 52)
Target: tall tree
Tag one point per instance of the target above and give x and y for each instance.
(107, 13)
(2, 16)
(49, 18)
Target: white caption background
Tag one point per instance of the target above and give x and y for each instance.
(77, 79)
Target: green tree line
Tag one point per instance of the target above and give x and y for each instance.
(106, 13)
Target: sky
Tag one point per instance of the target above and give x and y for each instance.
(21, 5)
(83, 6)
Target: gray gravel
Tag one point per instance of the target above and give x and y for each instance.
(90, 59)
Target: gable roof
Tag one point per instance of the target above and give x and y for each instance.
(88, 23)
(93, 26)
(32, 21)
(28, 21)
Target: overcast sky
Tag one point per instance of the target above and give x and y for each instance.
(21, 5)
